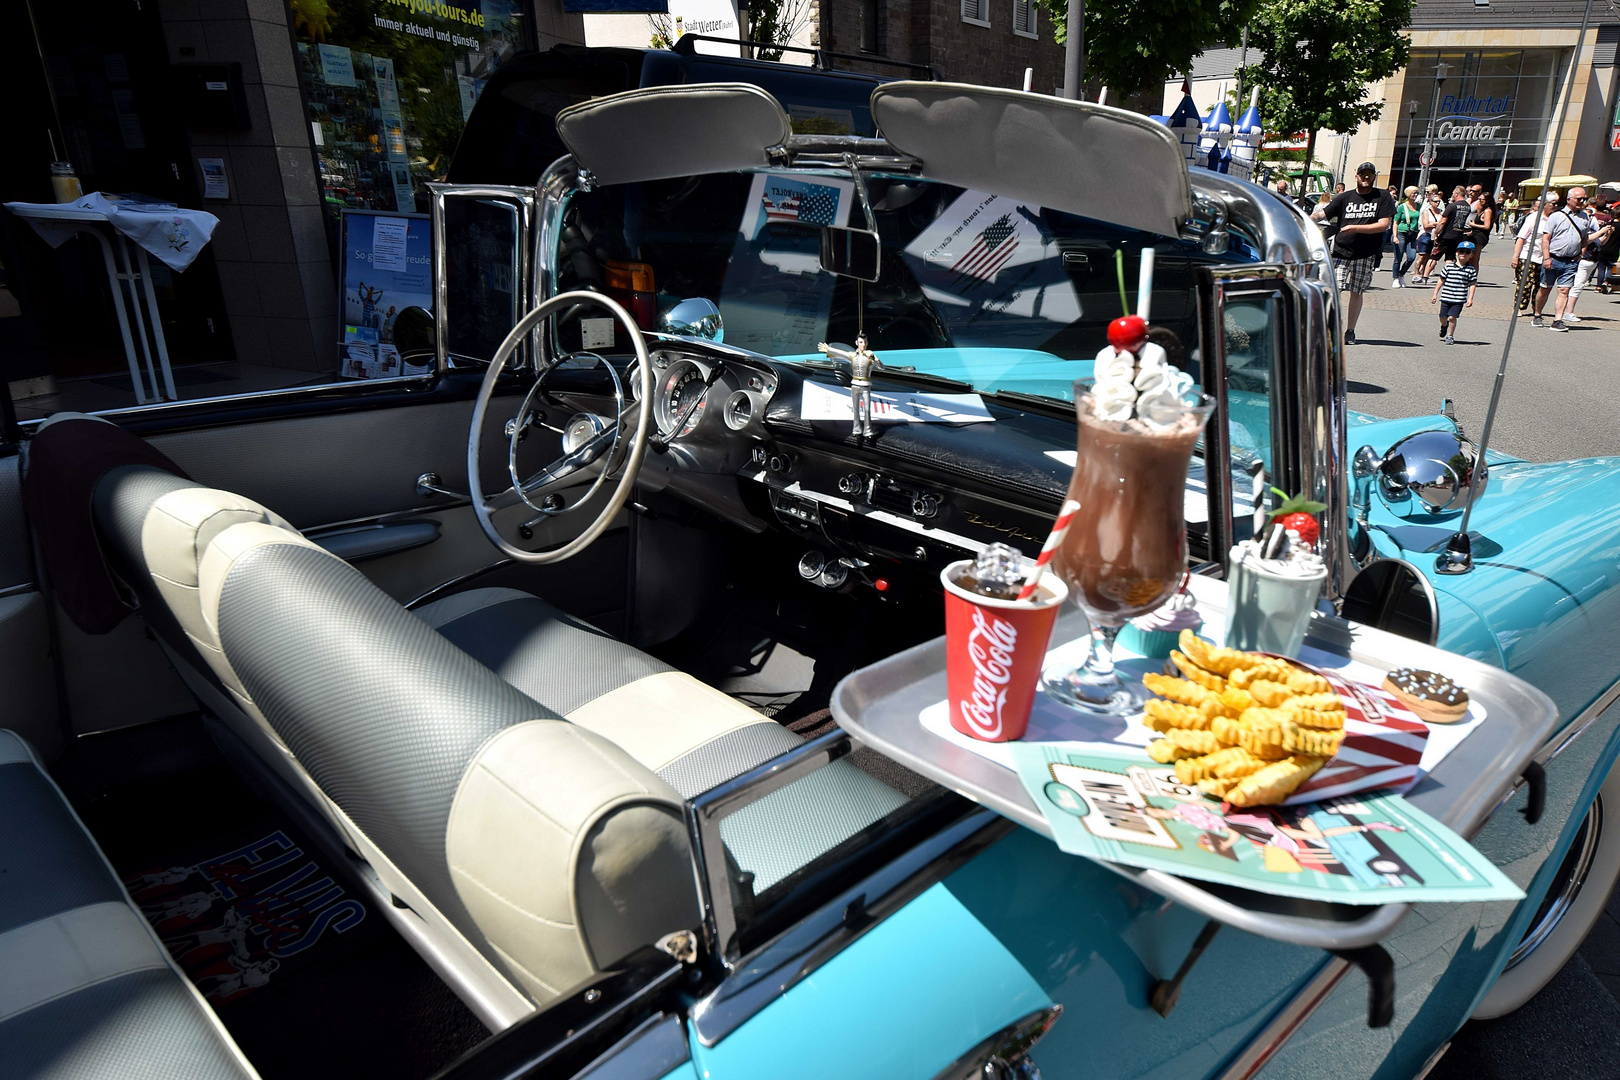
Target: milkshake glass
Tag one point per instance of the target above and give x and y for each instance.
(1125, 552)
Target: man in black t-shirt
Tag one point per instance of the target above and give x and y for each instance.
(1363, 215)
(1454, 225)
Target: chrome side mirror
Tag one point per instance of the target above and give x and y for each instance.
(1439, 468)
(697, 317)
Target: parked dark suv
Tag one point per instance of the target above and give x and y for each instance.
(512, 135)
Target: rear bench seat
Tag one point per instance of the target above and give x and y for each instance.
(86, 989)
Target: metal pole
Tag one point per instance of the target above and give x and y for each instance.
(1074, 53)
(1243, 62)
(1458, 558)
(1428, 142)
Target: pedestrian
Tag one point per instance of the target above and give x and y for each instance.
(1482, 219)
(1453, 225)
(1364, 216)
(1282, 186)
(1598, 254)
(1526, 261)
(1338, 189)
(1455, 290)
(1562, 238)
(1507, 207)
(1428, 225)
(1408, 222)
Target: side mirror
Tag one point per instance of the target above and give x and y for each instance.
(1438, 467)
(854, 253)
(697, 317)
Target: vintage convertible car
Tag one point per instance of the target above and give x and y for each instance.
(571, 740)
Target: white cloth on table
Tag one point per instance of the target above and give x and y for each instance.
(174, 235)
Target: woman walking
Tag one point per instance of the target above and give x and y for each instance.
(1482, 218)
(1408, 222)
(1429, 222)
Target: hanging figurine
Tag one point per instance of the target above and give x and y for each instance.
(862, 362)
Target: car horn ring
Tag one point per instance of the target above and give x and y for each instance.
(632, 460)
(582, 438)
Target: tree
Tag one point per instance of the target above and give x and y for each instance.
(1132, 45)
(776, 22)
(1319, 60)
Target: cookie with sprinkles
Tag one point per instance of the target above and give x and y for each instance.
(1431, 695)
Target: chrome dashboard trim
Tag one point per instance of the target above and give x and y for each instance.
(929, 532)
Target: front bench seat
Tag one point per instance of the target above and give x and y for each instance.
(546, 847)
(87, 990)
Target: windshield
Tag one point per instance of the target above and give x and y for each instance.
(973, 285)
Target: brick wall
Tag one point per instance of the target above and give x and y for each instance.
(932, 32)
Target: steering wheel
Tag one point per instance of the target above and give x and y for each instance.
(590, 442)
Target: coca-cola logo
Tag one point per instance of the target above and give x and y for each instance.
(990, 649)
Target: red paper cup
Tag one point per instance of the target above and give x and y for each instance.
(993, 655)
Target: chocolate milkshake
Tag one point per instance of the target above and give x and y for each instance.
(1126, 550)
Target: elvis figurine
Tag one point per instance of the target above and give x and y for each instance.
(862, 362)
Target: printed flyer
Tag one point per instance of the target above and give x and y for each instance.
(1360, 849)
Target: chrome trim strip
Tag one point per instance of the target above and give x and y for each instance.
(780, 964)
(929, 532)
(1289, 1019)
(523, 200)
(1562, 740)
(291, 393)
(462, 579)
(13, 590)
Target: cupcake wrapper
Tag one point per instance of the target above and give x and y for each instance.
(1150, 643)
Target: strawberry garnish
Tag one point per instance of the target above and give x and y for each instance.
(1298, 514)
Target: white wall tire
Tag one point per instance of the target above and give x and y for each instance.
(1561, 933)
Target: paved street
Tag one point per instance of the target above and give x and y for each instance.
(1558, 402)
(1559, 398)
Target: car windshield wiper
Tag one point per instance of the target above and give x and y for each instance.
(1035, 402)
(926, 378)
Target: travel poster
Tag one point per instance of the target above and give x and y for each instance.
(1359, 849)
(387, 267)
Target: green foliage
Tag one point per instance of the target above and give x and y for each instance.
(765, 25)
(1134, 45)
(1317, 60)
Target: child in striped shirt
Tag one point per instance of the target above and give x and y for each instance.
(1455, 290)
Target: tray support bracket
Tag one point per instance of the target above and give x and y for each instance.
(1380, 971)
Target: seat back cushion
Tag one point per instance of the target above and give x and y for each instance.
(547, 846)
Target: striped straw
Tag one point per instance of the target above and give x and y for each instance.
(1059, 527)
(1258, 471)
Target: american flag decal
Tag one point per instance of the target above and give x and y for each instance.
(1383, 744)
(811, 204)
(990, 251)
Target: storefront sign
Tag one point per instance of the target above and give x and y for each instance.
(1471, 130)
(1472, 106)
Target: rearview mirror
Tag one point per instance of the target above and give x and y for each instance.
(853, 253)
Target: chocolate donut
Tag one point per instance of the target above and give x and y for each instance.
(1431, 695)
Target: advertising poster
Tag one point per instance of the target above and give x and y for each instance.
(388, 86)
(990, 271)
(1360, 849)
(781, 308)
(387, 267)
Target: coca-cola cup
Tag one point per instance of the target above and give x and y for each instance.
(993, 654)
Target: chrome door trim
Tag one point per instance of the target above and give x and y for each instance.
(1289, 1019)
(1544, 927)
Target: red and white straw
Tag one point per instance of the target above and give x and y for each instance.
(1059, 527)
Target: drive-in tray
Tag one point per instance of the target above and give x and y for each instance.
(880, 705)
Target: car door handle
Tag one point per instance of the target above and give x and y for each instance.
(373, 541)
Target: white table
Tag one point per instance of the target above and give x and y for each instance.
(125, 262)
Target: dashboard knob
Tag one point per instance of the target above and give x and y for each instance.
(925, 506)
(779, 463)
(852, 483)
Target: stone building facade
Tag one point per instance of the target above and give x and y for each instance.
(988, 42)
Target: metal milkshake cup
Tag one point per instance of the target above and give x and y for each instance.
(1270, 602)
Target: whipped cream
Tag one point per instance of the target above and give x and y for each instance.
(1141, 385)
(1178, 614)
(1297, 561)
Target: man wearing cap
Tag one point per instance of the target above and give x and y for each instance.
(1562, 236)
(1364, 216)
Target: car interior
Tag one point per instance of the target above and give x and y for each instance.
(304, 771)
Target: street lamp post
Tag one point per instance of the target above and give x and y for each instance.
(1441, 70)
(1411, 126)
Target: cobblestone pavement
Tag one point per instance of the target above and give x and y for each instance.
(1558, 402)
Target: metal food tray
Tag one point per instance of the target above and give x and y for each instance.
(880, 704)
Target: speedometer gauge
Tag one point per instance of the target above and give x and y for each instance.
(681, 388)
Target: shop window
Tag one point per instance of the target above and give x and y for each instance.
(976, 12)
(1023, 18)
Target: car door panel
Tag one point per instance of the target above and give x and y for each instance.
(27, 680)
